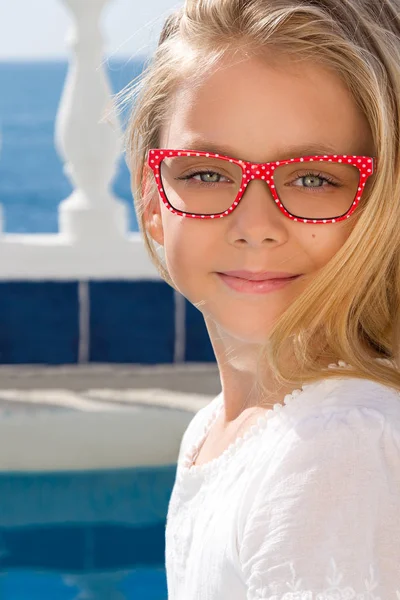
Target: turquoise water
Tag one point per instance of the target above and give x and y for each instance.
(97, 535)
(32, 182)
(138, 584)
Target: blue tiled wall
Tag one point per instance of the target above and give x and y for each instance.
(129, 322)
(198, 345)
(39, 322)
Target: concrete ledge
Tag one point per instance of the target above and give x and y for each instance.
(74, 418)
(82, 441)
(16, 401)
(60, 430)
(189, 378)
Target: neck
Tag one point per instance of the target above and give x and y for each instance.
(245, 386)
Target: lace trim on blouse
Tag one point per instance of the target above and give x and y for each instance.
(188, 469)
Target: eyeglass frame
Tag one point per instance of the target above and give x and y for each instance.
(365, 164)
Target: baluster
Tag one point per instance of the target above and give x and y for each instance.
(89, 148)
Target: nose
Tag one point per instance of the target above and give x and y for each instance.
(257, 217)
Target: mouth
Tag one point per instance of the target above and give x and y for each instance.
(260, 275)
(255, 286)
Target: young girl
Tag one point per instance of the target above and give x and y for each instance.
(264, 149)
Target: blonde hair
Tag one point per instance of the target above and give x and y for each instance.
(351, 309)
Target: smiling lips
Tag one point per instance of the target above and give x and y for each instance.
(252, 282)
(259, 276)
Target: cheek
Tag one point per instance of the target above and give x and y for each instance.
(325, 243)
(187, 249)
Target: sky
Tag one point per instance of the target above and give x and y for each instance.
(37, 29)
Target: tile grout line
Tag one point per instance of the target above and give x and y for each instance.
(180, 328)
(84, 322)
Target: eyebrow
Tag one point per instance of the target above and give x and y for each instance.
(283, 153)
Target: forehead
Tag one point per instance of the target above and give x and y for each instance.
(260, 110)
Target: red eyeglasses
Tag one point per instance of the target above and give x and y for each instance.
(311, 189)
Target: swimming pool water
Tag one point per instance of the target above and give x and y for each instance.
(84, 535)
(137, 584)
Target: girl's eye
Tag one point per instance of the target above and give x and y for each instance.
(205, 177)
(313, 180)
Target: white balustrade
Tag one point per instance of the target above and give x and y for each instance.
(93, 240)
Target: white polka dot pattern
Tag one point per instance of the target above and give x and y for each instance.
(251, 171)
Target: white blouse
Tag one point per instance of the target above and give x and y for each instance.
(304, 506)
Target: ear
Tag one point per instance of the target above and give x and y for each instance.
(152, 209)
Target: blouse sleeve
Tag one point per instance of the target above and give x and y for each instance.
(325, 520)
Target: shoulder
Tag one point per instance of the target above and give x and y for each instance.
(343, 436)
(329, 400)
(343, 416)
(354, 403)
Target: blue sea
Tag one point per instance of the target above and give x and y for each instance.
(32, 182)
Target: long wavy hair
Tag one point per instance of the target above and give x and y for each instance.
(351, 309)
